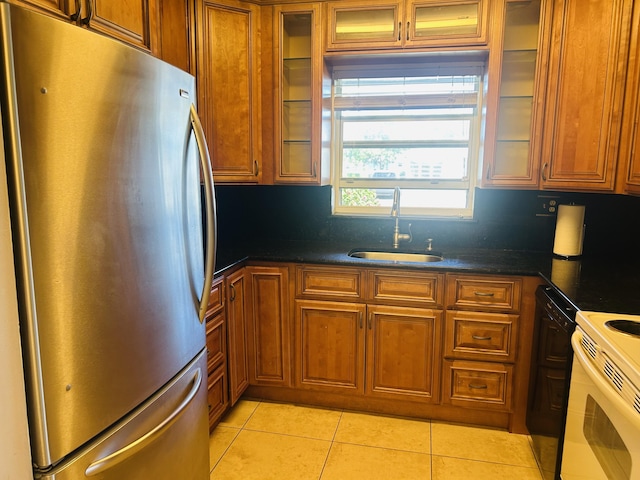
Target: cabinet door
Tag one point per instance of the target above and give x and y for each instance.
(587, 70)
(132, 21)
(228, 76)
(630, 148)
(409, 23)
(268, 325)
(298, 69)
(218, 390)
(517, 79)
(329, 346)
(217, 395)
(365, 25)
(175, 34)
(403, 352)
(58, 8)
(446, 23)
(237, 336)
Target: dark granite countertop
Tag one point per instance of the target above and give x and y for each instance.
(599, 284)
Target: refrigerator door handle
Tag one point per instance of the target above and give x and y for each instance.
(118, 456)
(207, 175)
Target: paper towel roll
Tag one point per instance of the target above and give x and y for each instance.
(569, 231)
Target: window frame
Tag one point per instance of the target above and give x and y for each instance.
(468, 183)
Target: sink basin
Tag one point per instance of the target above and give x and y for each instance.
(396, 256)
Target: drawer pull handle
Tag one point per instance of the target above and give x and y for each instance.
(483, 294)
(478, 337)
(477, 387)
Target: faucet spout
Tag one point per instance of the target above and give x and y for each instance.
(395, 208)
(395, 213)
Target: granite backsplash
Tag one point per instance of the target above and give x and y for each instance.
(503, 219)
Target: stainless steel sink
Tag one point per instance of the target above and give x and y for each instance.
(396, 256)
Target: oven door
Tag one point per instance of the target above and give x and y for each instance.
(602, 431)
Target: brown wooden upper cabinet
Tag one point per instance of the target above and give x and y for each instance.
(228, 80)
(630, 148)
(175, 32)
(383, 24)
(298, 82)
(516, 90)
(58, 8)
(585, 93)
(131, 21)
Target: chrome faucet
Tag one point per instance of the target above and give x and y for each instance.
(395, 213)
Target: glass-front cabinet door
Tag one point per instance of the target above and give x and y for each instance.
(365, 25)
(381, 24)
(297, 111)
(512, 149)
(446, 23)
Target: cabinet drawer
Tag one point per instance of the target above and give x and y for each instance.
(329, 282)
(477, 385)
(216, 341)
(481, 336)
(217, 395)
(216, 298)
(402, 286)
(491, 293)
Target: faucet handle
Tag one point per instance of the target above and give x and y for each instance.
(410, 234)
(429, 244)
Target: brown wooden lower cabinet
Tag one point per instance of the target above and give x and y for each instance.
(329, 346)
(268, 329)
(450, 347)
(481, 336)
(217, 397)
(376, 350)
(403, 352)
(216, 342)
(237, 335)
(477, 384)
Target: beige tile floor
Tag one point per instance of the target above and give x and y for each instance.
(263, 441)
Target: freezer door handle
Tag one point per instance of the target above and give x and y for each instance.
(207, 175)
(118, 456)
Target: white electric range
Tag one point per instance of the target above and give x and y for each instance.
(602, 437)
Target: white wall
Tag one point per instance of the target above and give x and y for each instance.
(15, 455)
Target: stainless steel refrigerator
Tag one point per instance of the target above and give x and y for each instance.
(104, 157)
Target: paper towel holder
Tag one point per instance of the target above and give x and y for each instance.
(570, 231)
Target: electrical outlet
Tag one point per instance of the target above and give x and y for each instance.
(547, 205)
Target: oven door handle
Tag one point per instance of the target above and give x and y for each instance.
(629, 413)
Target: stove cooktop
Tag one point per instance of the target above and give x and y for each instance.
(618, 336)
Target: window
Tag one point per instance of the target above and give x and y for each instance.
(411, 127)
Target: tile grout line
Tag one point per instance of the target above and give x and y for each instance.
(430, 450)
(225, 450)
(333, 438)
(240, 429)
